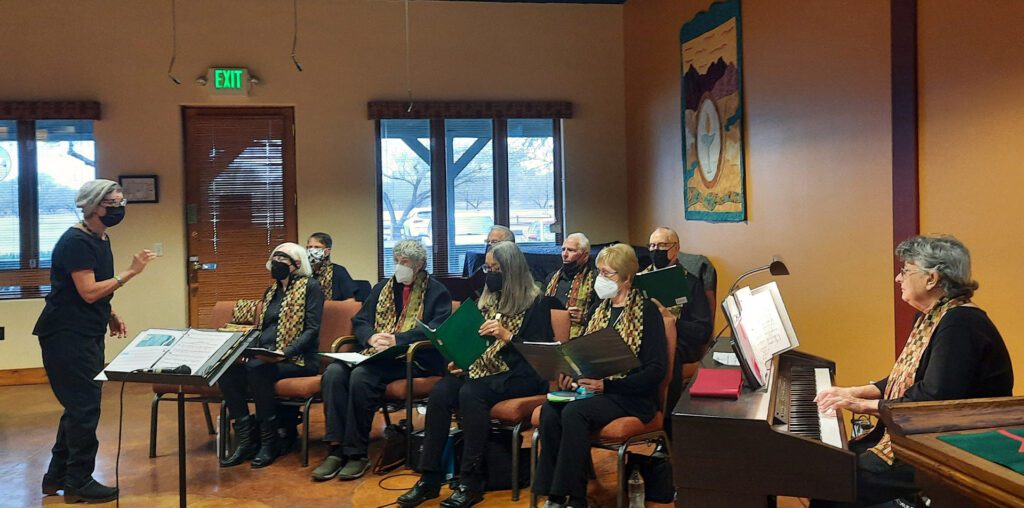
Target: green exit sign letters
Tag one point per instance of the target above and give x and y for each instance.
(230, 81)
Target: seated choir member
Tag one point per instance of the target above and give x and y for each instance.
(334, 279)
(954, 352)
(573, 283)
(565, 428)
(290, 324)
(497, 234)
(388, 317)
(515, 311)
(693, 318)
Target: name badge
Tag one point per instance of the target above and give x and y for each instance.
(681, 300)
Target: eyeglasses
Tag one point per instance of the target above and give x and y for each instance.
(661, 245)
(113, 203)
(606, 274)
(487, 269)
(907, 270)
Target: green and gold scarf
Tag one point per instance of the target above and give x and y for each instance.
(490, 363)
(580, 293)
(630, 324)
(901, 378)
(326, 279)
(292, 317)
(386, 318)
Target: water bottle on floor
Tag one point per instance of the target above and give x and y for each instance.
(636, 489)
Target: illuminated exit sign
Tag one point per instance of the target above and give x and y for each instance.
(229, 81)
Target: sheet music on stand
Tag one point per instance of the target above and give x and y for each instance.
(205, 352)
(761, 328)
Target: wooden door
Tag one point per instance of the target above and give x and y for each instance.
(239, 200)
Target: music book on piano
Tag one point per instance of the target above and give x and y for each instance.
(761, 328)
(457, 338)
(720, 383)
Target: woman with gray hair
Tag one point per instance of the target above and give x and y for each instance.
(954, 352)
(289, 325)
(515, 311)
(71, 330)
(388, 317)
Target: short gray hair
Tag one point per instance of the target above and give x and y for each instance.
(411, 249)
(509, 235)
(297, 253)
(942, 254)
(92, 193)
(582, 240)
(518, 289)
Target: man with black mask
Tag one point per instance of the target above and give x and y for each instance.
(573, 283)
(694, 318)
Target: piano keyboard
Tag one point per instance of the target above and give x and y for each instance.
(804, 418)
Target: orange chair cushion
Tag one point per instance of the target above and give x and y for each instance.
(620, 429)
(518, 409)
(298, 387)
(421, 387)
(535, 417)
(205, 391)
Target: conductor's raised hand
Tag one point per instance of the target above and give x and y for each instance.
(140, 260)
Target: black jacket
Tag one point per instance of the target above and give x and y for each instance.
(307, 344)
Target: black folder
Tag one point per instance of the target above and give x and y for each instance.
(593, 356)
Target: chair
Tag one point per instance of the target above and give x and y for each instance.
(622, 433)
(514, 414)
(304, 391)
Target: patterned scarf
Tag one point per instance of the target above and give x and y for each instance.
(386, 319)
(676, 310)
(326, 279)
(244, 312)
(901, 378)
(580, 292)
(630, 324)
(490, 362)
(292, 317)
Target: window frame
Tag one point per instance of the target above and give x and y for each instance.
(439, 190)
(30, 280)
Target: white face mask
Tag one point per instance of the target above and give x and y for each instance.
(316, 255)
(403, 274)
(605, 287)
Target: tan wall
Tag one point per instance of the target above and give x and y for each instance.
(818, 140)
(971, 76)
(116, 51)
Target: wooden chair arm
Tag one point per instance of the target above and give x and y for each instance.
(342, 341)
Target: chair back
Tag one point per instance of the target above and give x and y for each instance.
(670, 344)
(337, 321)
(560, 324)
(222, 314)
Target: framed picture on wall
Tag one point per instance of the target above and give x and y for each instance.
(140, 188)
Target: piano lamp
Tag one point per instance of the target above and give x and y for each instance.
(776, 267)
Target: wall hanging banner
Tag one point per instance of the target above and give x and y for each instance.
(712, 116)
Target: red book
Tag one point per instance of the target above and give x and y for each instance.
(722, 383)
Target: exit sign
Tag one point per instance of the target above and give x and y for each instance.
(229, 81)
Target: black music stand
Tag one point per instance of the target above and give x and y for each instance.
(207, 375)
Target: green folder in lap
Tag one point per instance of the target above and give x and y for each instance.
(670, 285)
(457, 338)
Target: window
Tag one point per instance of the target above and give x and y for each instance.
(446, 179)
(42, 165)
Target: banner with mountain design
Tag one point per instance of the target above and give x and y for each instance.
(712, 117)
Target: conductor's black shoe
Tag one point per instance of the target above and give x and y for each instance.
(418, 494)
(463, 497)
(92, 492)
(52, 485)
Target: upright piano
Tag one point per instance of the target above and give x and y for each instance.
(771, 442)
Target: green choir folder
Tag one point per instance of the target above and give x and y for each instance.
(593, 356)
(670, 285)
(457, 338)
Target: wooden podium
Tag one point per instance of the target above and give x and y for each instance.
(947, 475)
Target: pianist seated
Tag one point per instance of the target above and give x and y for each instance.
(565, 428)
(954, 352)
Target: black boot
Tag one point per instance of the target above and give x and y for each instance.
(92, 492)
(269, 446)
(248, 444)
(288, 437)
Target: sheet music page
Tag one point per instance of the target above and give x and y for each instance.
(735, 320)
(144, 350)
(194, 349)
(763, 326)
(349, 358)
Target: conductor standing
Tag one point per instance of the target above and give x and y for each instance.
(71, 330)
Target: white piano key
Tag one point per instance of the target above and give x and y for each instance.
(829, 422)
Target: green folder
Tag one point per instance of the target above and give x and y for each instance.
(1002, 446)
(457, 338)
(670, 285)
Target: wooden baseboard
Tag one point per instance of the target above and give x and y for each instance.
(17, 377)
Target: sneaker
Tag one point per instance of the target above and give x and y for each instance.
(91, 492)
(329, 469)
(354, 468)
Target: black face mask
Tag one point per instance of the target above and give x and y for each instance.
(571, 268)
(279, 270)
(659, 258)
(113, 217)
(494, 281)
